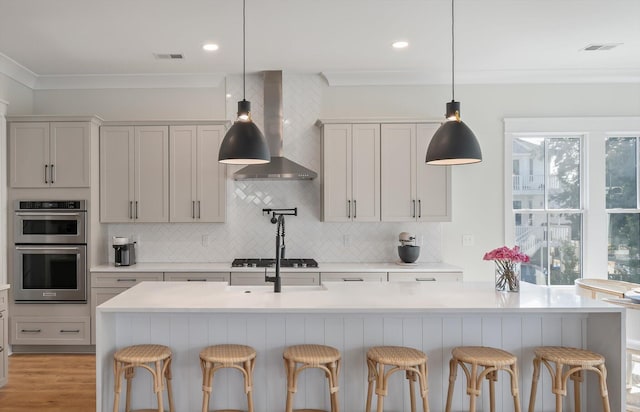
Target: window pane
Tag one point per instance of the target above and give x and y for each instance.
(564, 173)
(624, 239)
(528, 179)
(621, 176)
(565, 245)
(531, 236)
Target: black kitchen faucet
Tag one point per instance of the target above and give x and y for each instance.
(277, 217)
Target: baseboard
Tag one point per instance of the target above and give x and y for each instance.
(53, 348)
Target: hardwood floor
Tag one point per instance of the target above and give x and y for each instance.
(45, 382)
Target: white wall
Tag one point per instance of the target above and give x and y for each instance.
(134, 104)
(478, 204)
(19, 96)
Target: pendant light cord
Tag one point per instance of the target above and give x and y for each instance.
(244, 89)
(453, 55)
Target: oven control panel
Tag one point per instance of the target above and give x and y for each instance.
(50, 205)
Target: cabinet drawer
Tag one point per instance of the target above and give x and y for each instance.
(123, 279)
(3, 299)
(288, 278)
(197, 276)
(426, 276)
(353, 277)
(50, 331)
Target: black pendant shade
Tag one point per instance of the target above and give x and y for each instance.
(244, 143)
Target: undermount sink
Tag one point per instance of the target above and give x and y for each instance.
(269, 289)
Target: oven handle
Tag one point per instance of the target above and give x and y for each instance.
(50, 214)
(47, 248)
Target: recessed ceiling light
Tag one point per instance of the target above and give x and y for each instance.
(210, 47)
(400, 44)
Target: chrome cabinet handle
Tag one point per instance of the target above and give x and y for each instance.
(1, 315)
(414, 208)
(136, 209)
(127, 280)
(130, 210)
(53, 174)
(193, 209)
(196, 280)
(1, 349)
(46, 170)
(31, 330)
(198, 209)
(355, 208)
(69, 330)
(352, 280)
(419, 209)
(349, 209)
(426, 279)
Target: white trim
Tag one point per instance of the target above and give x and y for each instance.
(129, 81)
(17, 72)
(416, 77)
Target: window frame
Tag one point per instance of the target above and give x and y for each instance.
(594, 131)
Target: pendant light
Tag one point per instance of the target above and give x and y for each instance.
(453, 143)
(244, 143)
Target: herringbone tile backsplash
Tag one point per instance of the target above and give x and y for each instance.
(247, 233)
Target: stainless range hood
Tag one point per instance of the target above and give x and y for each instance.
(280, 168)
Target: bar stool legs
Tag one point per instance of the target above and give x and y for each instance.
(322, 357)
(412, 361)
(555, 358)
(491, 360)
(142, 356)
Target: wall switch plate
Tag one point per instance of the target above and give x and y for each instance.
(468, 240)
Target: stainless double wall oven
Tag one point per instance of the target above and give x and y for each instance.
(50, 257)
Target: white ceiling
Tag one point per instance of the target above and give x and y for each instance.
(347, 40)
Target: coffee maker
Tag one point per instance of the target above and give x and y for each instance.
(125, 251)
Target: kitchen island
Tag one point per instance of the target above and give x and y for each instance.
(433, 317)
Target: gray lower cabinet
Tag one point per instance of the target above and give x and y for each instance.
(196, 276)
(426, 276)
(353, 277)
(288, 278)
(4, 338)
(43, 330)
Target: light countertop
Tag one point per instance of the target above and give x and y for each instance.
(323, 267)
(338, 297)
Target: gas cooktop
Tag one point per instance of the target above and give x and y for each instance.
(269, 263)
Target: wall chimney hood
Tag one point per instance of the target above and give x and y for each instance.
(280, 168)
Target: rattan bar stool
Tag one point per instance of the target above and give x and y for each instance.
(577, 360)
(154, 358)
(300, 357)
(492, 360)
(213, 358)
(412, 361)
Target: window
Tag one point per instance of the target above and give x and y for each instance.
(550, 229)
(574, 207)
(622, 208)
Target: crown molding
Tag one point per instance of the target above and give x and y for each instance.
(129, 81)
(417, 78)
(17, 72)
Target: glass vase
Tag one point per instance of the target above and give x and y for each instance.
(507, 276)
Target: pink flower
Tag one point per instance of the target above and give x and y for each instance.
(504, 253)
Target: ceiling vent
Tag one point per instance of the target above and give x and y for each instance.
(603, 46)
(168, 56)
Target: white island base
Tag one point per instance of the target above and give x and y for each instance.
(353, 317)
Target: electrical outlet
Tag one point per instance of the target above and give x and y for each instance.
(205, 240)
(468, 240)
(346, 240)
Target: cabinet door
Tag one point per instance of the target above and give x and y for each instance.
(69, 154)
(116, 174)
(3, 347)
(433, 182)
(399, 203)
(151, 200)
(183, 151)
(425, 276)
(196, 276)
(353, 277)
(288, 278)
(211, 176)
(365, 158)
(98, 297)
(336, 173)
(29, 155)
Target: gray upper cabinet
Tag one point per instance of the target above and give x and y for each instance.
(134, 174)
(49, 154)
